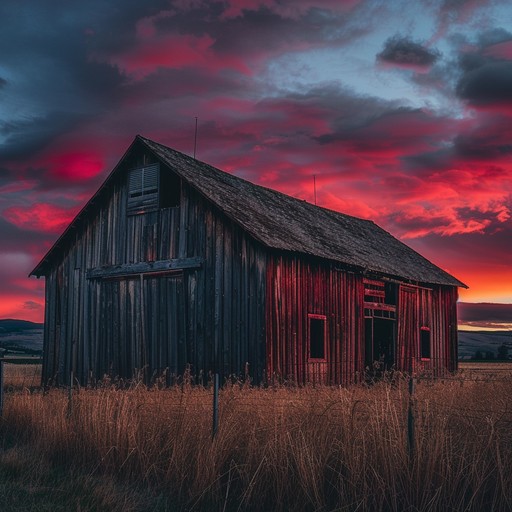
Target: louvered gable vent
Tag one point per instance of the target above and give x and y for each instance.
(143, 185)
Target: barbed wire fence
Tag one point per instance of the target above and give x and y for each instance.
(410, 400)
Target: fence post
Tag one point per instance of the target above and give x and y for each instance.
(71, 379)
(410, 419)
(215, 425)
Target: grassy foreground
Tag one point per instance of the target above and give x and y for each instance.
(284, 448)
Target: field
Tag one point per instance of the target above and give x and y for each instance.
(279, 448)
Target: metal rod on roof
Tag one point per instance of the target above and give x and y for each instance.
(195, 140)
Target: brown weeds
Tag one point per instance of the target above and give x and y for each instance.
(283, 448)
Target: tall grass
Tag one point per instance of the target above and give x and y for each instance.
(281, 448)
(19, 376)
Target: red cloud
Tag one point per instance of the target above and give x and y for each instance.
(74, 165)
(175, 51)
(40, 217)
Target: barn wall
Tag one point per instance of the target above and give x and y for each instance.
(155, 322)
(296, 288)
(435, 309)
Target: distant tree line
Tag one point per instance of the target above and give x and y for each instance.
(501, 355)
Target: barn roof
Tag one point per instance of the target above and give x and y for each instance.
(285, 223)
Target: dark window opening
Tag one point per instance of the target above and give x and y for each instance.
(317, 328)
(170, 189)
(425, 343)
(391, 293)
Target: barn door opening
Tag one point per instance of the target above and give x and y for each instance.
(379, 345)
(380, 300)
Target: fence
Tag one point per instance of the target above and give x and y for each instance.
(23, 379)
(320, 372)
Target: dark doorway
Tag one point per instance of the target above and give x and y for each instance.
(379, 344)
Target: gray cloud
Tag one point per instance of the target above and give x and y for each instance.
(27, 136)
(485, 312)
(485, 82)
(494, 36)
(404, 51)
(14, 238)
(32, 305)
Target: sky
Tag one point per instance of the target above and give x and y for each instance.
(401, 110)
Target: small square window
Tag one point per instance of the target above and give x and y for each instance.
(317, 336)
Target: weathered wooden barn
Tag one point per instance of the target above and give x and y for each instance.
(175, 264)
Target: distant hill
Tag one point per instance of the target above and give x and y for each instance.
(20, 337)
(12, 325)
(485, 342)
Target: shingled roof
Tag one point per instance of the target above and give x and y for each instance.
(282, 222)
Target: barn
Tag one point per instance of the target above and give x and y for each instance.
(174, 264)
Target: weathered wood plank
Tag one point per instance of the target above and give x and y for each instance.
(143, 267)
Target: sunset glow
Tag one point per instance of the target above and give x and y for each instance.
(400, 112)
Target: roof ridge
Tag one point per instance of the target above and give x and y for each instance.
(269, 189)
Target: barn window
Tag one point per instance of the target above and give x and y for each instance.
(425, 343)
(150, 188)
(143, 185)
(170, 189)
(317, 336)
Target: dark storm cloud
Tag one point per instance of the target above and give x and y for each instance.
(486, 70)
(24, 137)
(481, 146)
(51, 67)
(262, 30)
(485, 83)
(404, 51)
(5, 176)
(3, 82)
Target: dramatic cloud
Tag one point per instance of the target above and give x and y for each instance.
(287, 94)
(486, 83)
(39, 217)
(404, 52)
(485, 311)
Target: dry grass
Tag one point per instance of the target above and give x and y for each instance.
(281, 448)
(19, 376)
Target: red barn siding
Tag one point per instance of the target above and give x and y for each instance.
(435, 309)
(297, 287)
